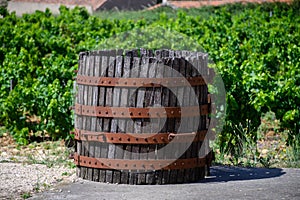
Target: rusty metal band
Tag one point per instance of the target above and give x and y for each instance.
(130, 112)
(136, 138)
(121, 164)
(139, 82)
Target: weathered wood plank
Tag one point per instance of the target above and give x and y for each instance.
(96, 126)
(172, 122)
(85, 144)
(178, 122)
(165, 103)
(158, 93)
(114, 123)
(79, 97)
(125, 95)
(151, 124)
(141, 99)
(90, 126)
(103, 122)
(107, 121)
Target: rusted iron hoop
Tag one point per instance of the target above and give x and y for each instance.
(139, 82)
(120, 164)
(137, 138)
(131, 112)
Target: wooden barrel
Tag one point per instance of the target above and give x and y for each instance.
(135, 119)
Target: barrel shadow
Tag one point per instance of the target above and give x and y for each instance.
(226, 174)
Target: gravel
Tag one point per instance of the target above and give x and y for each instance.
(18, 179)
(26, 170)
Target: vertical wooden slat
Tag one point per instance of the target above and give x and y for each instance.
(103, 122)
(161, 124)
(123, 122)
(114, 123)
(107, 121)
(135, 102)
(141, 99)
(165, 103)
(96, 124)
(180, 93)
(79, 101)
(174, 153)
(89, 121)
(130, 122)
(152, 128)
(84, 146)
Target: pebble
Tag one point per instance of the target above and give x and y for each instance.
(19, 178)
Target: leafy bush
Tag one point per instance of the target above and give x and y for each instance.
(38, 57)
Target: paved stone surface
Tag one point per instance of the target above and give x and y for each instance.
(224, 183)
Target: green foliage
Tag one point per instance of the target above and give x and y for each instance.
(255, 48)
(38, 53)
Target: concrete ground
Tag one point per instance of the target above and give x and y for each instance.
(224, 183)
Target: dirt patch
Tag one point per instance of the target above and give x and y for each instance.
(25, 170)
